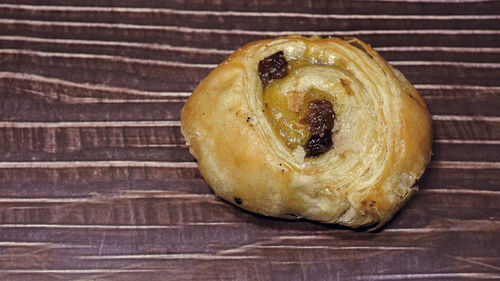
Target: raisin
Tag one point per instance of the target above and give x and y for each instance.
(317, 144)
(238, 200)
(272, 67)
(320, 117)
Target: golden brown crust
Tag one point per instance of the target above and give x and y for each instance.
(382, 135)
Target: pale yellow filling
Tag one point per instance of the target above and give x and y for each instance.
(286, 108)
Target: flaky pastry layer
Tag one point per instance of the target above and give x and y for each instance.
(381, 138)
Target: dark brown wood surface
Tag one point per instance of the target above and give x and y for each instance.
(97, 184)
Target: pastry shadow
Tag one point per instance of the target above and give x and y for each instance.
(301, 224)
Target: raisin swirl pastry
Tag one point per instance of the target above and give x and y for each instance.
(322, 129)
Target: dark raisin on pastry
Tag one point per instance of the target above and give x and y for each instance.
(320, 118)
(272, 67)
(238, 200)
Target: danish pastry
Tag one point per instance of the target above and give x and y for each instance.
(322, 129)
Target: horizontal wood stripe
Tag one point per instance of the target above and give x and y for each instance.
(145, 74)
(108, 180)
(159, 194)
(100, 164)
(135, 61)
(471, 129)
(434, 1)
(215, 56)
(326, 255)
(92, 124)
(462, 191)
(320, 7)
(244, 20)
(249, 32)
(471, 89)
(104, 9)
(177, 123)
(157, 164)
(468, 141)
(21, 183)
(235, 38)
(170, 257)
(74, 145)
(113, 227)
(73, 271)
(94, 214)
(475, 88)
(72, 99)
(211, 66)
(424, 276)
(465, 118)
(70, 92)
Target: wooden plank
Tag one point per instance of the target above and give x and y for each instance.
(71, 101)
(108, 179)
(449, 7)
(460, 178)
(244, 20)
(133, 133)
(215, 56)
(325, 247)
(157, 75)
(233, 39)
(146, 73)
(115, 71)
(165, 143)
(97, 184)
(162, 143)
(472, 129)
(131, 210)
(462, 101)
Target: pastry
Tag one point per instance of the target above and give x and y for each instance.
(322, 129)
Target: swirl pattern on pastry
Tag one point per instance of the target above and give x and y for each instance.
(323, 129)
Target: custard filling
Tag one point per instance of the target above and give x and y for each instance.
(301, 117)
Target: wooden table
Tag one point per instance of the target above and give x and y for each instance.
(97, 184)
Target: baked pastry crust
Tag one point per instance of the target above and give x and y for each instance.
(381, 138)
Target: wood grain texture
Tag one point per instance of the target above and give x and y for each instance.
(96, 182)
